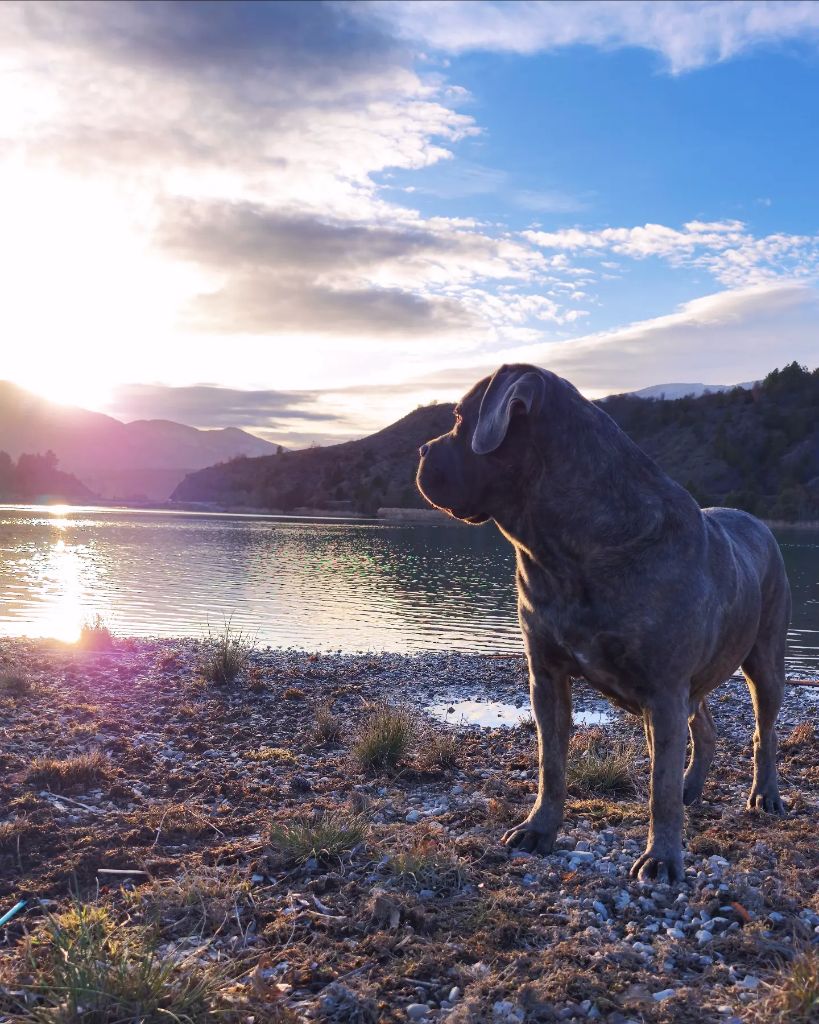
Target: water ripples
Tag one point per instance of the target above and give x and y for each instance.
(326, 585)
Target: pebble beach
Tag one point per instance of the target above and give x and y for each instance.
(182, 814)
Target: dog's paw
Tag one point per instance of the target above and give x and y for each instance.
(530, 837)
(662, 866)
(767, 800)
(692, 790)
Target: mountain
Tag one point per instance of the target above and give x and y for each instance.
(361, 475)
(144, 459)
(756, 449)
(671, 391)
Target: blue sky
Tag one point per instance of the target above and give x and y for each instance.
(339, 210)
(591, 138)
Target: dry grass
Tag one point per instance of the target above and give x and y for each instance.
(440, 750)
(280, 754)
(14, 684)
(256, 679)
(327, 728)
(801, 735)
(385, 738)
(201, 901)
(325, 836)
(793, 996)
(71, 773)
(95, 635)
(226, 655)
(294, 693)
(177, 819)
(598, 766)
(426, 865)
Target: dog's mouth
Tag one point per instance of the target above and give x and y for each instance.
(464, 518)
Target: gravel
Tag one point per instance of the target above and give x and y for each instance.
(470, 931)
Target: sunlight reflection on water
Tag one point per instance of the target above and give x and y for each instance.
(318, 585)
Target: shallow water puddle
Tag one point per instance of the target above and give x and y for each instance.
(493, 714)
(588, 718)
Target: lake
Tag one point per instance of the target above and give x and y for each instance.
(326, 585)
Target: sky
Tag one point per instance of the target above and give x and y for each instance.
(307, 218)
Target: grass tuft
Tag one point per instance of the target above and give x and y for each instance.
(85, 968)
(793, 997)
(441, 750)
(226, 655)
(424, 865)
(600, 766)
(325, 836)
(385, 738)
(327, 728)
(70, 773)
(204, 901)
(95, 635)
(14, 684)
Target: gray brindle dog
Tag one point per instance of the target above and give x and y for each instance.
(621, 579)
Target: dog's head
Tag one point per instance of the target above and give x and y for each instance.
(481, 466)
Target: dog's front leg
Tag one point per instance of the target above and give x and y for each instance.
(552, 709)
(666, 726)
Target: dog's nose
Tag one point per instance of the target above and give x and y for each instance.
(423, 450)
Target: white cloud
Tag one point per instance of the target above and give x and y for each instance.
(265, 125)
(727, 249)
(687, 34)
(728, 337)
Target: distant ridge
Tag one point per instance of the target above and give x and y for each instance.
(672, 391)
(142, 460)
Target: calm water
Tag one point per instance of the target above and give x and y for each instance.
(321, 585)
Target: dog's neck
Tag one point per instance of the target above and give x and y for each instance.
(590, 495)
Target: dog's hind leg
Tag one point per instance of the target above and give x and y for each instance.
(703, 744)
(764, 671)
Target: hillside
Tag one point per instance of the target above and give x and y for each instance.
(143, 459)
(361, 475)
(35, 478)
(756, 449)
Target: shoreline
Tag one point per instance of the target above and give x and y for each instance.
(408, 516)
(428, 904)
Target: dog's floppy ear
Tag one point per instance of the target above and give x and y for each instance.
(510, 392)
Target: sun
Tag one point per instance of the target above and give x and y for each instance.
(67, 389)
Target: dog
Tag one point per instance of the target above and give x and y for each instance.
(623, 580)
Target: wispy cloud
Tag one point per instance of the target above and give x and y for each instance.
(727, 249)
(686, 34)
(729, 336)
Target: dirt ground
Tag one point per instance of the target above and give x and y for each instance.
(412, 909)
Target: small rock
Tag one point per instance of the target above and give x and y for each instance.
(505, 1012)
(417, 1011)
(750, 982)
(666, 993)
(621, 899)
(413, 816)
(703, 936)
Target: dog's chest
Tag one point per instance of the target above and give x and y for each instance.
(564, 632)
